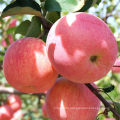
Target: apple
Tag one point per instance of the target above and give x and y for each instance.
(3, 42)
(13, 23)
(116, 69)
(27, 68)
(44, 111)
(81, 47)
(6, 113)
(14, 101)
(10, 38)
(68, 100)
(17, 114)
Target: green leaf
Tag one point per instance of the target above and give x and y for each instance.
(44, 38)
(23, 27)
(2, 52)
(52, 16)
(11, 30)
(109, 88)
(35, 28)
(1, 58)
(60, 5)
(98, 2)
(22, 7)
(117, 107)
(112, 29)
(84, 7)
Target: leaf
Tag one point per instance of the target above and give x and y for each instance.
(22, 7)
(11, 30)
(84, 7)
(1, 58)
(52, 16)
(44, 38)
(60, 5)
(23, 27)
(109, 88)
(112, 29)
(35, 28)
(117, 107)
(98, 2)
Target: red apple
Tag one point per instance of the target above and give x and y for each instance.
(17, 114)
(14, 101)
(81, 47)
(10, 38)
(13, 23)
(68, 100)
(27, 68)
(116, 69)
(4, 43)
(6, 113)
(44, 111)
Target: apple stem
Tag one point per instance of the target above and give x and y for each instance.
(116, 66)
(106, 104)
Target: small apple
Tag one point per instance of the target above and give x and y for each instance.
(17, 114)
(13, 23)
(44, 111)
(116, 69)
(81, 47)
(10, 38)
(27, 68)
(4, 43)
(6, 113)
(14, 101)
(68, 100)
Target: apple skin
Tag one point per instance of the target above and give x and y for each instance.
(65, 94)
(15, 102)
(44, 111)
(27, 68)
(81, 47)
(6, 113)
(13, 23)
(116, 69)
(17, 114)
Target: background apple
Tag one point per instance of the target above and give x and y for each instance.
(6, 113)
(27, 68)
(116, 69)
(68, 100)
(81, 47)
(10, 38)
(14, 101)
(13, 23)
(17, 114)
(44, 111)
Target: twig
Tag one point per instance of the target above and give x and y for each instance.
(106, 104)
(9, 90)
(110, 13)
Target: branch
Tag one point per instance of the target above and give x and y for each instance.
(107, 105)
(45, 25)
(110, 14)
(9, 90)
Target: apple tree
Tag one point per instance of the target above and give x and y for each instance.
(52, 51)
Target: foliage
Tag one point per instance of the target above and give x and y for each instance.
(51, 11)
